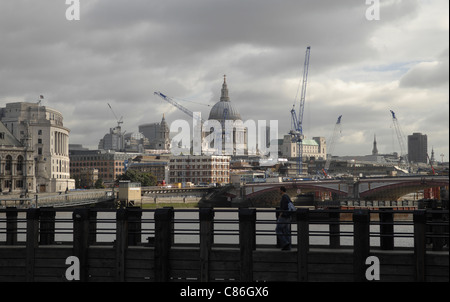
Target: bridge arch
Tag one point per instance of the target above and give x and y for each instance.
(394, 190)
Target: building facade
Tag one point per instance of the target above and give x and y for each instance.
(234, 141)
(417, 148)
(315, 147)
(158, 165)
(114, 140)
(157, 134)
(41, 128)
(109, 165)
(16, 164)
(199, 169)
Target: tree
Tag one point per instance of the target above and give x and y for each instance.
(99, 184)
(146, 179)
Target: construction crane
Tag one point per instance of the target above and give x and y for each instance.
(119, 121)
(337, 129)
(400, 137)
(174, 103)
(297, 121)
(434, 192)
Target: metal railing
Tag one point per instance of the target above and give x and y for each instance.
(387, 229)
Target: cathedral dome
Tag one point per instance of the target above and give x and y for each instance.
(224, 108)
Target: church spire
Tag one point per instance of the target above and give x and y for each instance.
(374, 150)
(224, 97)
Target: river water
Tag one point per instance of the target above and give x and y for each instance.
(226, 229)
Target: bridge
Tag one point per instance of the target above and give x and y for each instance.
(380, 188)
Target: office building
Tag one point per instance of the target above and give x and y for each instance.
(417, 148)
(41, 128)
(199, 169)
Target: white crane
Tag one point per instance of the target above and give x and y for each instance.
(119, 121)
(174, 103)
(400, 138)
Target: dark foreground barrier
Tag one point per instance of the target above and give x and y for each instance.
(163, 245)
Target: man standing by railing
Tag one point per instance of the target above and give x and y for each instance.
(283, 221)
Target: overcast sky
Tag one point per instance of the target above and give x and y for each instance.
(121, 51)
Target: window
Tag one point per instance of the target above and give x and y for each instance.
(8, 163)
(20, 163)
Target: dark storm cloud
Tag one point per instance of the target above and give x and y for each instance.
(120, 52)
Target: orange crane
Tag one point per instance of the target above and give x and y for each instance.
(434, 192)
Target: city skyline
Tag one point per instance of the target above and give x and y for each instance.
(120, 52)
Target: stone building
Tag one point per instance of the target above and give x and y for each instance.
(103, 164)
(158, 165)
(157, 134)
(42, 129)
(224, 111)
(199, 169)
(316, 148)
(16, 164)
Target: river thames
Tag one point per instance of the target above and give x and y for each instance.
(226, 229)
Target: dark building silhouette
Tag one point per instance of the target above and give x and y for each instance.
(417, 148)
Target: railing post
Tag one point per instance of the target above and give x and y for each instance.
(334, 227)
(386, 229)
(420, 219)
(92, 226)
(163, 242)
(247, 221)
(438, 229)
(361, 243)
(121, 243)
(302, 243)
(32, 241)
(11, 225)
(134, 225)
(80, 219)
(206, 216)
(47, 226)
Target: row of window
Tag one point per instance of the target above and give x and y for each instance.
(19, 183)
(95, 164)
(117, 170)
(187, 167)
(204, 160)
(199, 179)
(8, 163)
(200, 173)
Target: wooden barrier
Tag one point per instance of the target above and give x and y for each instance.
(40, 258)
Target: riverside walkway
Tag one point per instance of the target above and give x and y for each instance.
(57, 200)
